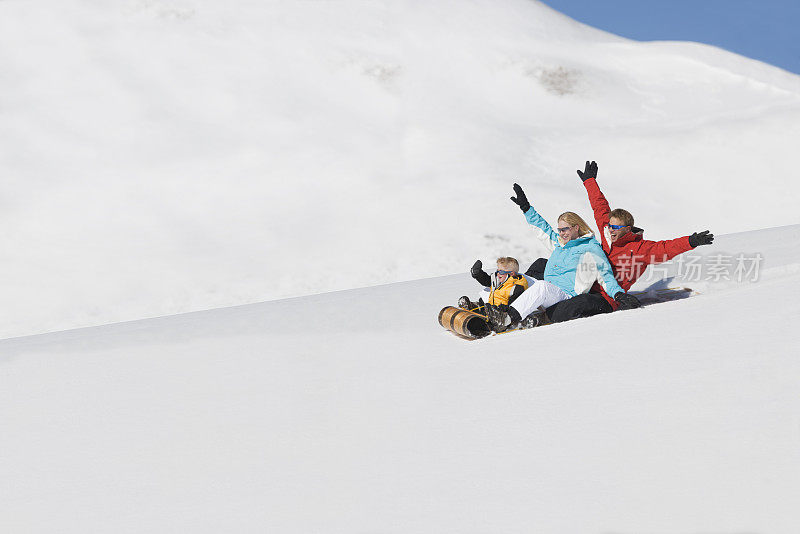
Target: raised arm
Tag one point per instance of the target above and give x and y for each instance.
(542, 228)
(599, 203)
(652, 252)
(480, 276)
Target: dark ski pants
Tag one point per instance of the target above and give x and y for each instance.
(579, 306)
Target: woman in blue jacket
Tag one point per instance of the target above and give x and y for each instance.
(576, 262)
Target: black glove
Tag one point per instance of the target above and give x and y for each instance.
(626, 301)
(589, 172)
(521, 200)
(477, 268)
(703, 238)
(479, 275)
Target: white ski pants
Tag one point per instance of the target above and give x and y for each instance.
(539, 294)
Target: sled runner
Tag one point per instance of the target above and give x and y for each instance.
(665, 294)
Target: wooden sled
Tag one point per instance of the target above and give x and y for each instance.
(464, 323)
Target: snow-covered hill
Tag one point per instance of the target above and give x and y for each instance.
(161, 156)
(354, 411)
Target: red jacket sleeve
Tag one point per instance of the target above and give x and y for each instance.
(600, 207)
(652, 252)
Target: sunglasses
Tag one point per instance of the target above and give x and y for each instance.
(617, 226)
(498, 272)
(562, 230)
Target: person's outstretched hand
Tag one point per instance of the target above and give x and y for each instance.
(703, 238)
(589, 172)
(477, 268)
(626, 301)
(520, 200)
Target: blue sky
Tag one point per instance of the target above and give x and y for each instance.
(766, 30)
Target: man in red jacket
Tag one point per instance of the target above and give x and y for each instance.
(629, 252)
(626, 248)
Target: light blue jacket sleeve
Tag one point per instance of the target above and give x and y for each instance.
(543, 229)
(605, 274)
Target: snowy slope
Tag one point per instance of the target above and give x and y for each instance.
(161, 156)
(354, 411)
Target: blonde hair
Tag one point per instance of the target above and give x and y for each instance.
(572, 218)
(623, 215)
(508, 264)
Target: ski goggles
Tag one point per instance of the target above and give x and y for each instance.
(496, 282)
(617, 226)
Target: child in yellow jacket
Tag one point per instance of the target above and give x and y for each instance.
(501, 288)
